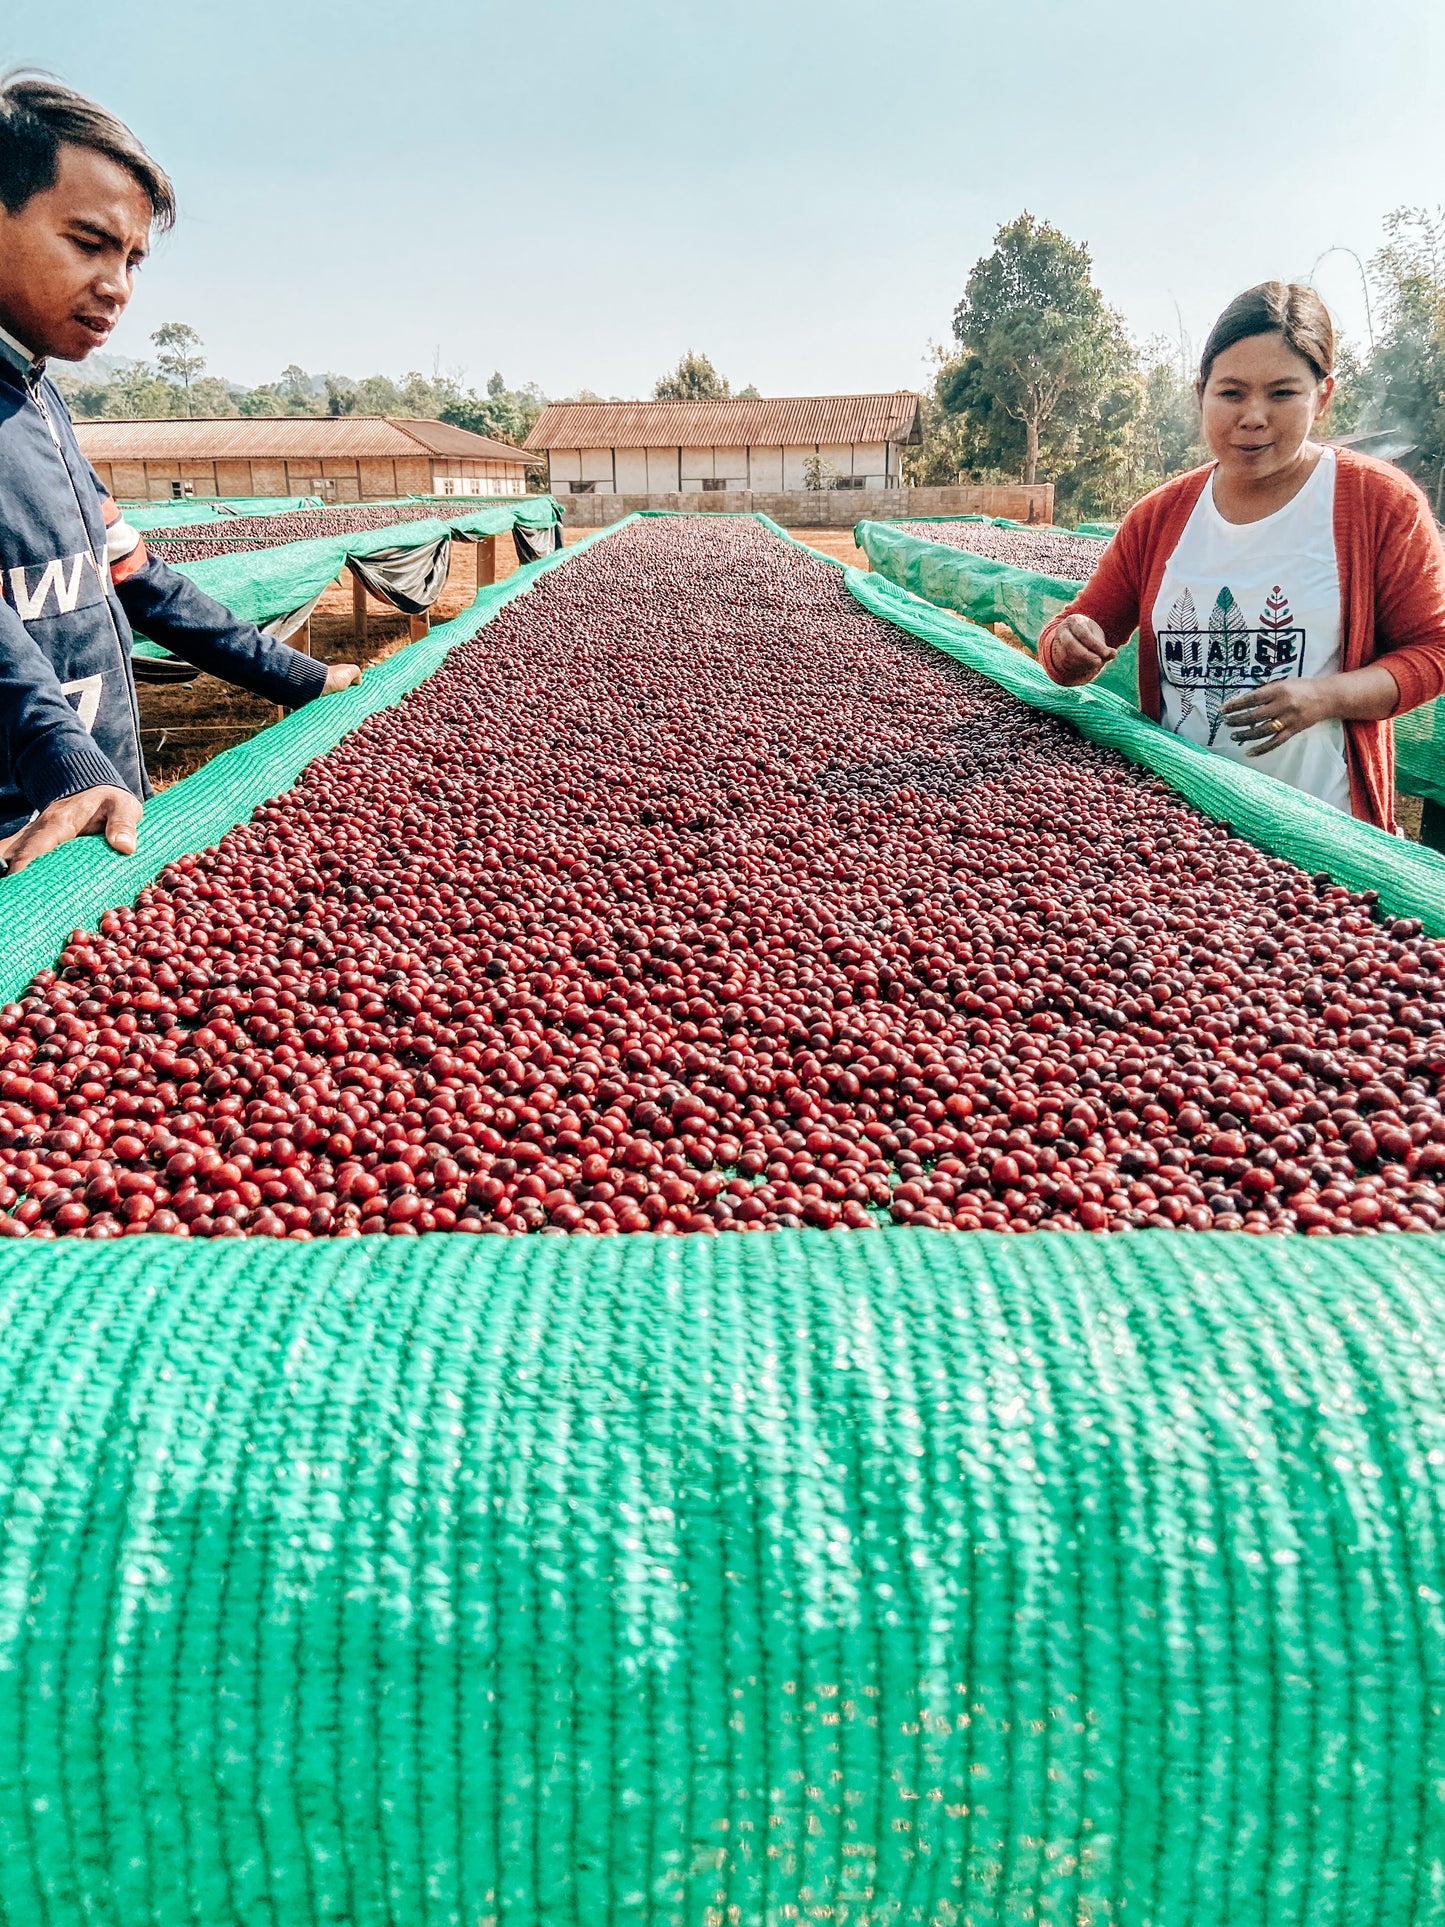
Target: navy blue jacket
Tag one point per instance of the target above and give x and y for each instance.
(73, 578)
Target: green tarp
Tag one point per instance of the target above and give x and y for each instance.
(989, 592)
(262, 583)
(182, 513)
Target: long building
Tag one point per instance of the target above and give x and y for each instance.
(342, 458)
(705, 447)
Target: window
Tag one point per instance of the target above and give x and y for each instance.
(712, 484)
(584, 488)
(849, 481)
(180, 490)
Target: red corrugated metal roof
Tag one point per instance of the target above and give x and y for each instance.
(798, 421)
(294, 438)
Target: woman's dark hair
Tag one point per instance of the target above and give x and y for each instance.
(38, 117)
(1285, 308)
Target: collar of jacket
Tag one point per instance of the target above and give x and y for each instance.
(19, 357)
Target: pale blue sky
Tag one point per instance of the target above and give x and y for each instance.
(576, 192)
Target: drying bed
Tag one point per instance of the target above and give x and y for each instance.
(1055, 552)
(872, 1576)
(692, 896)
(244, 534)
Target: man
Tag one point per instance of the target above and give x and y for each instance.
(79, 196)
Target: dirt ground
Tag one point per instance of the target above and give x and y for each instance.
(186, 724)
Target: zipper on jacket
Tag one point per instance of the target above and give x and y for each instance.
(102, 574)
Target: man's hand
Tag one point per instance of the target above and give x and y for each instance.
(1079, 649)
(341, 675)
(113, 812)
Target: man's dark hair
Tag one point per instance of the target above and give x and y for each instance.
(38, 116)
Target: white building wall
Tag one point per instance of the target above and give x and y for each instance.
(662, 471)
(765, 470)
(514, 482)
(870, 460)
(631, 471)
(794, 460)
(665, 471)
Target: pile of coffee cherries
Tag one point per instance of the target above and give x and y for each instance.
(690, 897)
(198, 543)
(1045, 551)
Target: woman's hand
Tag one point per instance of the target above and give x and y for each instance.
(1266, 717)
(341, 675)
(1079, 649)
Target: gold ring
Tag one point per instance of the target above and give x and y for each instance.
(1276, 727)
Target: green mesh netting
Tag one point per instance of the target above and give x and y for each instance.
(180, 513)
(260, 584)
(989, 592)
(985, 591)
(1410, 879)
(865, 1577)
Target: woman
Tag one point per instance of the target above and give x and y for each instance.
(1289, 597)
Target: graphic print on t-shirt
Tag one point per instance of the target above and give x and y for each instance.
(1226, 657)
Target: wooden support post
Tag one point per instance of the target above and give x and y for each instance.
(299, 638)
(419, 626)
(358, 607)
(486, 561)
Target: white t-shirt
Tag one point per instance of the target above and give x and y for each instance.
(1243, 605)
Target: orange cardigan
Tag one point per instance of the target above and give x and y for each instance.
(1392, 600)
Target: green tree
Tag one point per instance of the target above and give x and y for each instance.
(1161, 436)
(1407, 370)
(944, 455)
(693, 379)
(1352, 404)
(180, 359)
(1040, 350)
(340, 396)
(505, 414)
(296, 390)
(265, 400)
(88, 401)
(210, 395)
(138, 393)
(379, 395)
